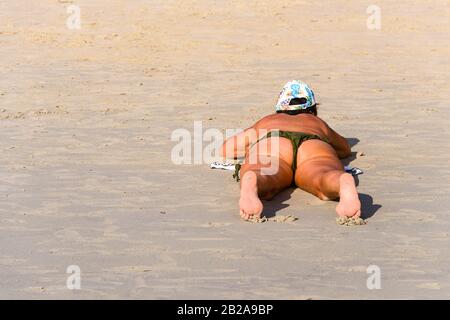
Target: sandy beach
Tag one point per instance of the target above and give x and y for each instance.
(86, 176)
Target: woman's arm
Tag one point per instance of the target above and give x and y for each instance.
(237, 146)
(339, 144)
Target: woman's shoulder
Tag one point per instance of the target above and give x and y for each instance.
(265, 121)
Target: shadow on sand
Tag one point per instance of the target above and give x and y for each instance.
(352, 142)
(276, 204)
(368, 208)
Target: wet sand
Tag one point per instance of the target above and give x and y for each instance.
(86, 176)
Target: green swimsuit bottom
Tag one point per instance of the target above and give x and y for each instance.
(297, 138)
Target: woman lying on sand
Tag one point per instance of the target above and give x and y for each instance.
(304, 148)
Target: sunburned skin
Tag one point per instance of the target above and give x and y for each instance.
(319, 170)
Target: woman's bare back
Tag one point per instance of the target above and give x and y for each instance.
(306, 123)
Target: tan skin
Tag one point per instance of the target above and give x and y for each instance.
(319, 170)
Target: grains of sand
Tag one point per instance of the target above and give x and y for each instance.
(277, 218)
(350, 221)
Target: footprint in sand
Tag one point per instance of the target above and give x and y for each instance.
(278, 218)
(350, 221)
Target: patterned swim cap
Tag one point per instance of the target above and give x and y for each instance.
(292, 90)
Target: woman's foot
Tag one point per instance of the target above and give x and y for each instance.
(249, 203)
(349, 204)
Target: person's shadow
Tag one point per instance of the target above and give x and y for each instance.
(276, 204)
(352, 142)
(368, 208)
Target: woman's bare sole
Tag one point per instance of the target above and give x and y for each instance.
(349, 204)
(249, 204)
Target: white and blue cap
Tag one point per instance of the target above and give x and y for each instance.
(295, 90)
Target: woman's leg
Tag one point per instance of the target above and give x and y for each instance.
(321, 173)
(265, 173)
